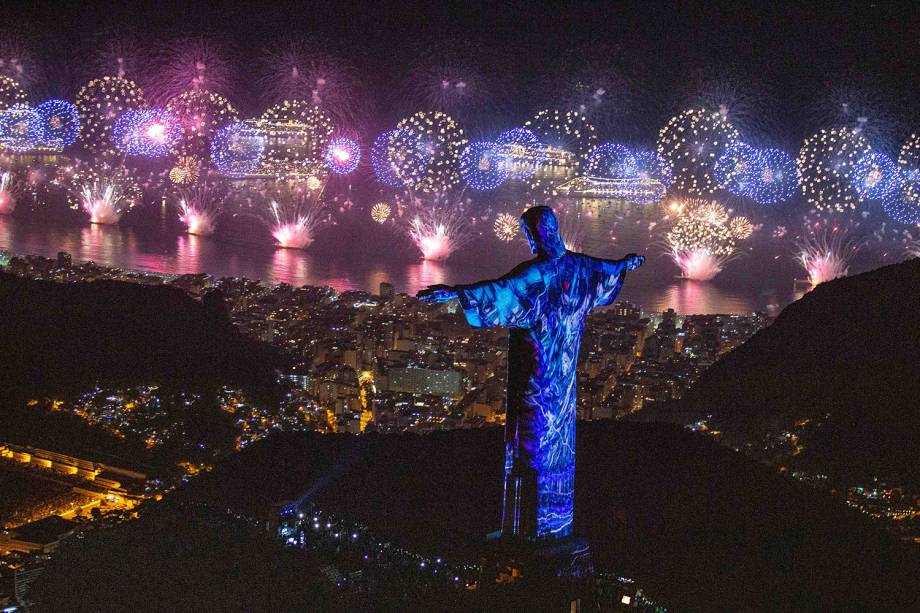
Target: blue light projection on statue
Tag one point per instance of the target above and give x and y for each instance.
(544, 302)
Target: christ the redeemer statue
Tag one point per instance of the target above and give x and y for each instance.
(544, 302)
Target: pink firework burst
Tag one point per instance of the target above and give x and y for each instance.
(699, 264)
(303, 70)
(193, 64)
(437, 225)
(295, 213)
(17, 60)
(119, 57)
(7, 193)
(199, 207)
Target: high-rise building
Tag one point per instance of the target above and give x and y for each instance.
(386, 290)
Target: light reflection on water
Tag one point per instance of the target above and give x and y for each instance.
(654, 288)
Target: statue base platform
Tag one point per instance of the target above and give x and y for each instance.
(556, 575)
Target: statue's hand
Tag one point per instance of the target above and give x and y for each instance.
(634, 261)
(437, 293)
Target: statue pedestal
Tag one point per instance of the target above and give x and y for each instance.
(558, 573)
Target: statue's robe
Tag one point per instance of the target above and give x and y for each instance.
(544, 302)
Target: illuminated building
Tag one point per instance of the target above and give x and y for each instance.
(425, 381)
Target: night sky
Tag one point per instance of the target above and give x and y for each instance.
(787, 59)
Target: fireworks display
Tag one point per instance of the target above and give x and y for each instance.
(566, 139)
(567, 131)
(342, 155)
(146, 132)
(296, 70)
(766, 176)
(450, 85)
(733, 94)
(909, 156)
(827, 161)
(703, 239)
(16, 59)
(857, 108)
(825, 255)
(237, 150)
(735, 168)
(386, 168)
(482, 165)
(294, 214)
(651, 165)
(100, 103)
(21, 129)
(875, 175)
(7, 194)
(571, 228)
(774, 178)
(60, 122)
(518, 147)
(611, 161)
(120, 56)
(506, 227)
(902, 204)
(437, 225)
(298, 137)
(432, 135)
(302, 112)
(104, 192)
(11, 93)
(693, 142)
(199, 207)
(194, 64)
(199, 113)
(741, 227)
(709, 211)
(311, 132)
(380, 212)
(186, 171)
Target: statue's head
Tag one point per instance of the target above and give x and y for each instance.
(542, 231)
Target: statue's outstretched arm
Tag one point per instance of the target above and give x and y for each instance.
(609, 275)
(629, 262)
(434, 294)
(513, 300)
